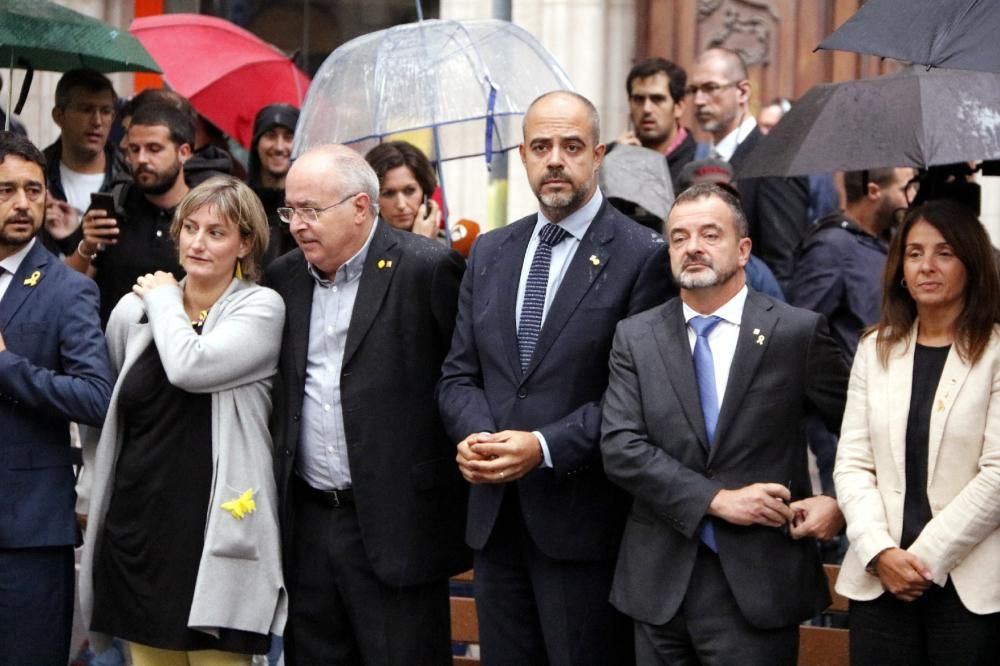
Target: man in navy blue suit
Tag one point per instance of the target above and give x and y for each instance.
(520, 393)
(53, 369)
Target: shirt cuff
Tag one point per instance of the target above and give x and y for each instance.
(546, 457)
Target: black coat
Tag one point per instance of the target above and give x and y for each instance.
(409, 495)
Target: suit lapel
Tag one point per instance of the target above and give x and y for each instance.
(896, 400)
(590, 260)
(30, 274)
(952, 378)
(756, 330)
(381, 264)
(675, 350)
(298, 304)
(508, 260)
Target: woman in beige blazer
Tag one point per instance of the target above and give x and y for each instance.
(918, 463)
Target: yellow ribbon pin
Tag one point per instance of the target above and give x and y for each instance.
(242, 505)
(760, 339)
(594, 260)
(33, 280)
(382, 263)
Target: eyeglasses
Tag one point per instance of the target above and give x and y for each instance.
(309, 215)
(711, 88)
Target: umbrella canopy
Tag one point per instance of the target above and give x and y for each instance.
(915, 117)
(228, 73)
(46, 36)
(937, 33)
(639, 175)
(468, 81)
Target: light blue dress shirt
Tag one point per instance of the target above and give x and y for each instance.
(322, 457)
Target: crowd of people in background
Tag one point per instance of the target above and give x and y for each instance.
(301, 410)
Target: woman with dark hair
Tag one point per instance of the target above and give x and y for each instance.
(918, 463)
(406, 183)
(182, 552)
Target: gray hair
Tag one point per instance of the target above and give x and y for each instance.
(352, 172)
(725, 193)
(595, 117)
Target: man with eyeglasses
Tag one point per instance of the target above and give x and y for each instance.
(777, 209)
(81, 160)
(372, 503)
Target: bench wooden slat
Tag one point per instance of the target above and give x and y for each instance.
(464, 622)
(823, 646)
(839, 604)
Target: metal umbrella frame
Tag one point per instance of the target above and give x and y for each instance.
(413, 68)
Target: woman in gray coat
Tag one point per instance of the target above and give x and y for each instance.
(182, 551)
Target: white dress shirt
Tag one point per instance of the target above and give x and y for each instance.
(576, 223)
(723, 337)
(731, 142)
(11, 265)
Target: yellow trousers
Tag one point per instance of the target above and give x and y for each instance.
(143, 655)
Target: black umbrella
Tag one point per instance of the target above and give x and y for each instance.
(915, 117)
(959, 34)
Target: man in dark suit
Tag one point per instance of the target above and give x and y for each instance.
(702, 424)
(53, 369)
(372, 502)
(521, 392)
(777, 209)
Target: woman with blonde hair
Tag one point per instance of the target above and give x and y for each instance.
(182, 550)
(918, 463)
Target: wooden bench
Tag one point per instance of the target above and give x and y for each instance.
(818, 646)
(826, 646)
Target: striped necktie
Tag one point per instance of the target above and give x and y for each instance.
(533, 305)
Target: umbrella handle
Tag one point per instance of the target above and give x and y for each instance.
(25, 84)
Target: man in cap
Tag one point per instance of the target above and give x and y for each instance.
(270, 159)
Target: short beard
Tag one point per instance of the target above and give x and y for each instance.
(651, 137)
(8, 240)
(707, 277)
(162, 184)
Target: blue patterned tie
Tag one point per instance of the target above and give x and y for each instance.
(533, 304)
(704, 372)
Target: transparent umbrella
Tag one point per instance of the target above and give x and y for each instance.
(468, 83)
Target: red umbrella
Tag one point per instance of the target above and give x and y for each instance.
(228, 73)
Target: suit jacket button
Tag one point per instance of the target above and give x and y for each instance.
(522, 394)
(288, 452)
(295, 418)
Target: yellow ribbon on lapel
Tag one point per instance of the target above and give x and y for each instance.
(33, 280)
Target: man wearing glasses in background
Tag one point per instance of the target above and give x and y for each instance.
(372, 503)
(81, 160)
(777, 209)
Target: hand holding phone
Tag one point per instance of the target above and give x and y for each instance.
(428, 219)
(100, 223)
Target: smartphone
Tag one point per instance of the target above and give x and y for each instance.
(103, 201)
